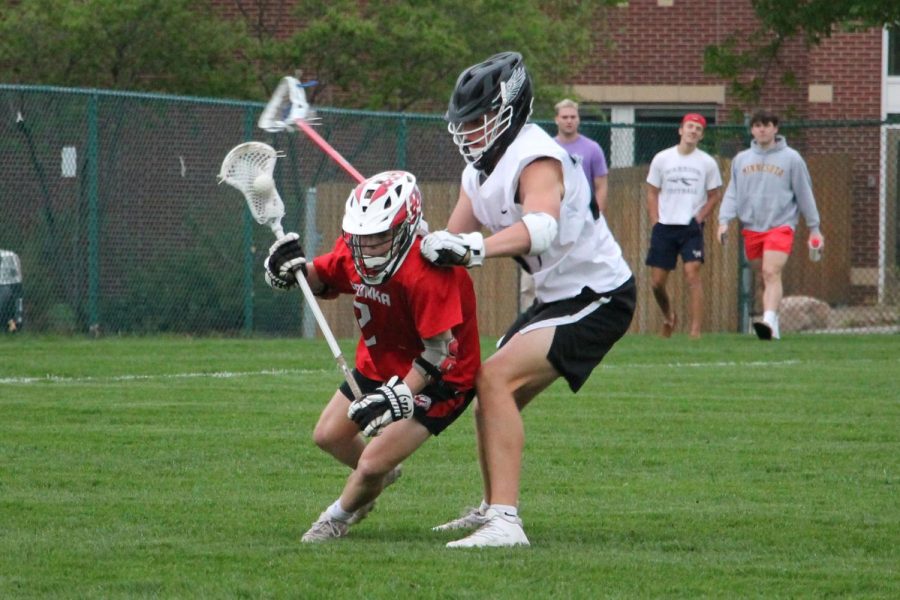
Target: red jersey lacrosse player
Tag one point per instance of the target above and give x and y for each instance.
(418, 351)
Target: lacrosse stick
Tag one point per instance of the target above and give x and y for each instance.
(248, 168)
(287, 109)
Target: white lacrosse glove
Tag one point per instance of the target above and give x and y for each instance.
(447, 249)
(390, 402)
(285, 256)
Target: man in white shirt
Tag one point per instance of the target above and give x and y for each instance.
(683, 187)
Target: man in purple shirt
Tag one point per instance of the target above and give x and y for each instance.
(584, 150)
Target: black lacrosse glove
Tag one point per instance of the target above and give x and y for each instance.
(285, 256)
(390, 402)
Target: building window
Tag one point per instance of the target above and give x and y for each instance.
(595, 125)
(651, 140)
(627, 146)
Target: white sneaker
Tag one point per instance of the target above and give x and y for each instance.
(471, 519)
(497, 532)
(363, 511)
(324, 529)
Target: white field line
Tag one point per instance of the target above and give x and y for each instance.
(58, 379)
(699, 365)
(269, 372)
(160, 377)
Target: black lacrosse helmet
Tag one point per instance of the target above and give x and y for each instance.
(489, 106)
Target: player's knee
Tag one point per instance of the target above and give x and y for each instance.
(492, 378)
(325, 438)
(372, 470)
(484, 380)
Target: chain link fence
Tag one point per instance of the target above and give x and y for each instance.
(111, 208)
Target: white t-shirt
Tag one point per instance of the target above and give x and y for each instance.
(584, 252)
(683, 181)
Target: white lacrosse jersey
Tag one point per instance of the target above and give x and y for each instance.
(683, 181)
(584, 252)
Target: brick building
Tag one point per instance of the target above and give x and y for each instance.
(653, 72)
(647, 67)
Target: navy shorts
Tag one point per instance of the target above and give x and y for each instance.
(587, 326)
(436, 406)
(667, 242)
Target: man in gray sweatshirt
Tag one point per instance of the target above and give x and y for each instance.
(770, 187)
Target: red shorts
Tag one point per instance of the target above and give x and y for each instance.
(779, 239)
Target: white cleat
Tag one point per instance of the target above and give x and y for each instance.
(499, 531)
(324, 529)
(363, 511)
(473, 518)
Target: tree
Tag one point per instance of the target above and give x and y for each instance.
(390, 55)
(174, 46)
(746, 61)
(398, 55)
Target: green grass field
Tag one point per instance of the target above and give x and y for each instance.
(184, 468)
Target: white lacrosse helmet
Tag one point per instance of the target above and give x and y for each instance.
(388, 204)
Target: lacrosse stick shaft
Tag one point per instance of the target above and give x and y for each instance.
(326, 331)
(313, 304)
(319, 141)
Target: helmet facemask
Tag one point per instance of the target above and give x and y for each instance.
(377, 256)
(474, 142)
(381, 219)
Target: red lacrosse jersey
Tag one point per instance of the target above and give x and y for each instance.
(419, 301)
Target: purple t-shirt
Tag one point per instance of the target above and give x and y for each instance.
(589, 155)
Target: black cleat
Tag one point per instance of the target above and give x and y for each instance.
(763, 330)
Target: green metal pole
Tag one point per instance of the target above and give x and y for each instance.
(93, 233)
(745, 273)
(402, 135)
(248, 242)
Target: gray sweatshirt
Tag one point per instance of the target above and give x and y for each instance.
(769, 188)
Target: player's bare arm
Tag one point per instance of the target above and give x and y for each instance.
(429, 366)
(462, 219)
(315, 284)
(540, 191)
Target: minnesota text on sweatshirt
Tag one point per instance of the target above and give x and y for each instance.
(769, 188)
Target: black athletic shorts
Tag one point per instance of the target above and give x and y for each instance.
(668, 241)
(436, 407)
(587, 326)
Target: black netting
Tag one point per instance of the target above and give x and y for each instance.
(111, 203)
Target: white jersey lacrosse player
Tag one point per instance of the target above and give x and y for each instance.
(535, 201)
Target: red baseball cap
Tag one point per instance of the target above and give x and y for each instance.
(695, 118)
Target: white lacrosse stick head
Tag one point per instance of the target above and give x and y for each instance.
(249, 168)
(287, 104)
